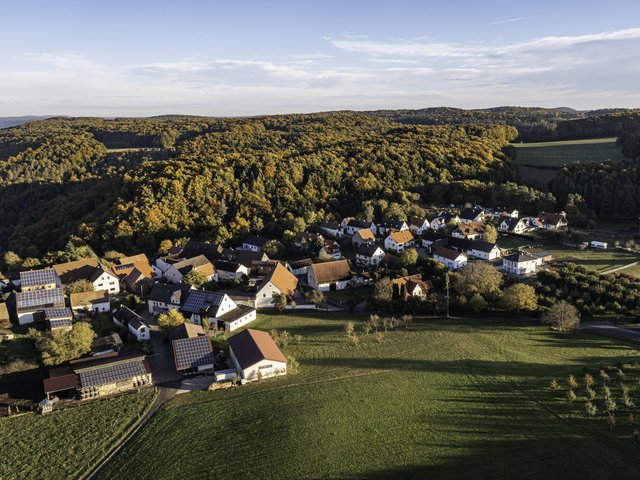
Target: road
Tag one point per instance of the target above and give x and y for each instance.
(608, 329)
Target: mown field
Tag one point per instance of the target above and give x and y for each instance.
(453, 399)
(537, 162)
(596, 260)
(65, 443)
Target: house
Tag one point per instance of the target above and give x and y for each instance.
(411, 286)
(419, 225)
(389, 225)
(90, 270)
(229, 271)
(192, 349)
(429, 237)
(452, 259)
(443, 219)
(90, 302)
(462, 245)
(552, 221)
(98, 376)
(278, 280)
(501, 213)
(519, 264)
(331, 229)
(246, 258)
(484, 250)
(331, 248)
(124, 317)
(469, 230)
(58, 319)
(30, 305)
(192, 248)
(167, 297)
(259, 270)
(363, 237)
(329, 276)
(469, 215)
(304, 240)
(256, 356)
(200, 264)
(512, 225)
(351, 226)
(218, 308)
(369, 256)
(135, 273)
(254, 243)
(398, 241)
(300, 267)
(43, 279)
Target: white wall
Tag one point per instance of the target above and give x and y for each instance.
(241, 322)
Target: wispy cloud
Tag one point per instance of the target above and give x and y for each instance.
(508, 20)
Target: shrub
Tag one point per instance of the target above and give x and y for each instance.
(379, 337)
(554, 386)
(355, 340)
(572, 382)
(604, 376)
(610, 405)
(588, 380)
(591, 409)
(571, 396)
(590, 393)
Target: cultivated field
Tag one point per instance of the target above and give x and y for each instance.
(65, 443)
(452, 399)
(596, 260)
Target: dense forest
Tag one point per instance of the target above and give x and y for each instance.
(534, 124)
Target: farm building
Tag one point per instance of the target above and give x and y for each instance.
(330, 275)
(58, 319)
(192, 349)
(256, 355)
(90, 302)
(30, 305)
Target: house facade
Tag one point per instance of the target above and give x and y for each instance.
(484, 250)
(329, 276)
(256, 356)
(519, 264)
(369, 256)
(452, 259)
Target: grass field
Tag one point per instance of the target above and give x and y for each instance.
(65, 443)
(596, 260)
(452, 399)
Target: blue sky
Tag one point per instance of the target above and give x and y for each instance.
(255, 57)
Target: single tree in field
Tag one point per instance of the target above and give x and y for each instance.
(382, 291)
(316, 297)
(519, 297)
(478, 277)
(562, 316)
(279, 301)
(490, 234)
(170, 319)
(194, 278)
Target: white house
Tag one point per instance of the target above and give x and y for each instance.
(551, 221)
(512, 225)
(469, 230)
(88, 269)
(279, 280)
(398, 241)
(369, 256)
(362, 237)
(230, 271)
(468, 215)
(300, 267)
(105, 279)
(30, 305)
(124, 317)
(391, 225)
(452, 259)
(176, 272)
(520, 264)
(256, 356)
(219, 309)
(91, 302)
(419, 225)
(167, 297)
(332, 249)
(254, 243)
(484, 250)
(505, 213)
(331, 229)
(351, 226)
(442, 220)
(329, 276)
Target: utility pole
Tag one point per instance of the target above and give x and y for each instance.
(446, 280)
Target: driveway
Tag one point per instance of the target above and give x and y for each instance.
(161, 362)
(608, 329)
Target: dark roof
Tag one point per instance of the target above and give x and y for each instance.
(162, 293)
(185, 266)
(197, 300)
(211, 251)
(225, 266)
(256, 240)
(455, 243)
(359, 223)
(99, 270)
(126, 316)
(252, 346)
(368, 250)
(192, 352)
(236, 313)
(391, 223)
(519, 257)
(433, 236)
(34, 278)
(113, 369)
(470, 213)
(56, 313)
(61, 382)
(39, 299)
(418, 221)
(247, 257)
(482, 246)
(548, 218)
(330, 225)
(305, 262)
(446, 253)
(511, 222)
(60, 323)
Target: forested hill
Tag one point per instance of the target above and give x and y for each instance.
(130, 183)
(533, 124)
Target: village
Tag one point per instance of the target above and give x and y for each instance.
(208, 291)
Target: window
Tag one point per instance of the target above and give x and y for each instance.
(264, 367)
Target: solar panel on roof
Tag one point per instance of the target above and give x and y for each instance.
(38, 277)
(60, 322)
(192, 352)
(53, 313)
(197, 300)
(112, 373)
(40, 299)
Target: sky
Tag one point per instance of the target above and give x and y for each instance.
(242, 57)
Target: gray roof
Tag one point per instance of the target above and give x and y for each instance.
(482, 246)
(192, 352)
(163, 292)
(127, 316)
(470, 213)
(368, 250)
(256, 240)
(519, 257)
(40, 299)
(197, 300)
(34, 278)
(359, 223)
(56, 313)
(111, 372)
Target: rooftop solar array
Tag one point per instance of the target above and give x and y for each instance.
(35, 278)
(113, 373)
(55, 313)
(40, 299)
(197, 300)
(192, 352)
(60, 323)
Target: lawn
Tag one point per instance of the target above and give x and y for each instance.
(65, 443)
(452, 399)
(358, 294)
(597, 260)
